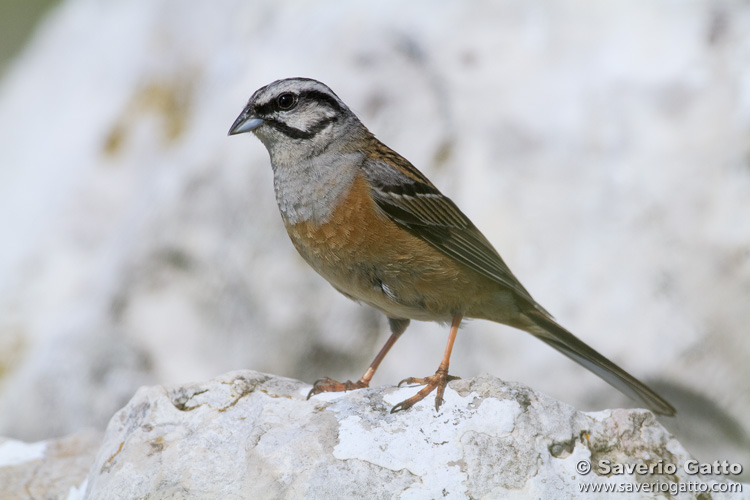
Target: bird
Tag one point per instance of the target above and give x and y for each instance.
(371, 224)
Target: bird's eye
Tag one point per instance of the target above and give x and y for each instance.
(286, 101)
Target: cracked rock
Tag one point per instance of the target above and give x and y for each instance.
(249, 435)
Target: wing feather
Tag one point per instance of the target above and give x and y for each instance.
(412, 202)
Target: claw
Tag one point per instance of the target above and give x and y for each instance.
(412, 380)
(327, 384)
(437, 381)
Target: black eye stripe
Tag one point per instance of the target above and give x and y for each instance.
(263, 109)
(322, 98)
(267, 108)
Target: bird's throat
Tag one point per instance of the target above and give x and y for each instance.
(309, 191)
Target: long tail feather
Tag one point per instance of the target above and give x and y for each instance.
(561, 339)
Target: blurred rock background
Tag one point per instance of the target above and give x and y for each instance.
(604, 148)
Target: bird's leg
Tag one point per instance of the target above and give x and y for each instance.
(327, 384)
(437, 381)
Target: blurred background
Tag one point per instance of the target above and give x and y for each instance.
(604, 148)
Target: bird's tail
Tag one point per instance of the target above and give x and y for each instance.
(547, 330)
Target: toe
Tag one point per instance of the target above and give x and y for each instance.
(437, 381)
(327, 384)
(413, 380)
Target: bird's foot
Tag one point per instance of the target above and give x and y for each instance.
(437, 381)
(329, 385)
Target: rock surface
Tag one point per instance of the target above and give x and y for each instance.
(51, 470)
(247, 435)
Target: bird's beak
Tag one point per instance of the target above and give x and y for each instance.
(246, 122)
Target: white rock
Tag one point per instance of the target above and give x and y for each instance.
(13, 452)
(51, 470)
(247, 435)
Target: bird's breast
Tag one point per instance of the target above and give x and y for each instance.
(353, 237)
(369, 258)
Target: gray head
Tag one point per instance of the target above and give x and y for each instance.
(296, 118)
(314, 142)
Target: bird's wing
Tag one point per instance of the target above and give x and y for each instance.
(406, 196)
